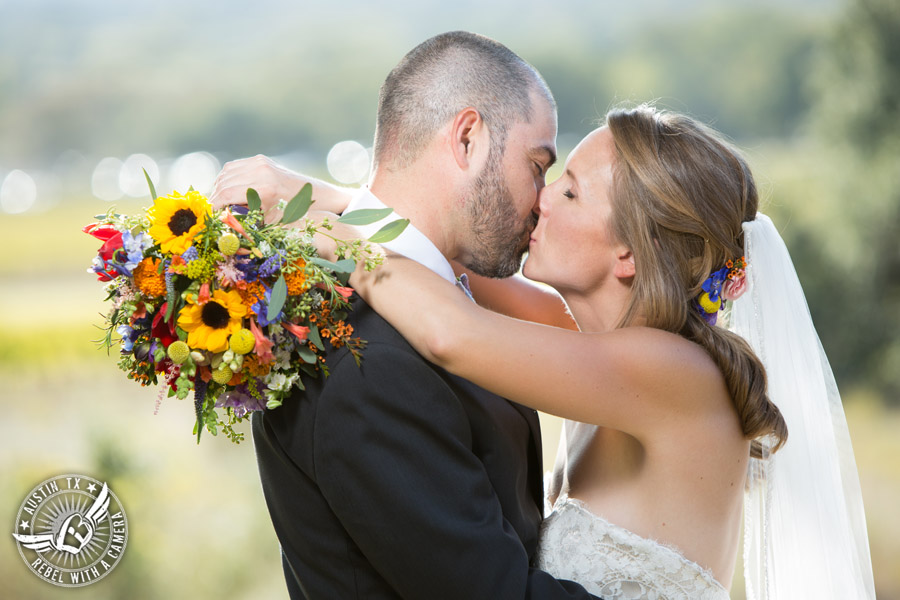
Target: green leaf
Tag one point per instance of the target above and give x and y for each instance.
(347, 265)
(277, 299)
(298, 205)
(365, 216)
(342, 266)
(153, 195)
(309, 368)
(314, 336)
(307, 355)
(253, 201)
(389, 231)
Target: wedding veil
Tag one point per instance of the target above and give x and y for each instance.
(805, 530)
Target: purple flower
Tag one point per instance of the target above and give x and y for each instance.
(271, 265)
(240, 401)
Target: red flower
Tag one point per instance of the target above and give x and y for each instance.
(346, 292)
(101, 232)
(299, 330)
(263, 344)
(112, 242)
(161, 330)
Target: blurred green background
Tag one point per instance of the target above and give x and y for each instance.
(92, 90)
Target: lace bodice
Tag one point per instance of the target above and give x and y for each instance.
(614, 563)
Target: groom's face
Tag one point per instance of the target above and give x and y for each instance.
(502, 201)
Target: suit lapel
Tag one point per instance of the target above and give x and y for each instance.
(536, 458)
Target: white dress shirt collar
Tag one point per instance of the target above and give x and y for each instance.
(412, 243)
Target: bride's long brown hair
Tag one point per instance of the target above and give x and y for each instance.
(680, 194)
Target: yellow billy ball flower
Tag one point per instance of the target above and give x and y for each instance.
(707, 304)
(229, 244)
(242, 341)
(209, 325)
(178, 351)
(176, 220)
(223, 374)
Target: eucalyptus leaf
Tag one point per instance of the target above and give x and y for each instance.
(347, 265)
(299, 205)
(365, 216)
(306, 355)
(389, 231)
(325, 264)
(153, 195)
(253, 201)
(277, 299)
(314, 336)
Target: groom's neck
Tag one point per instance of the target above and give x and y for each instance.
(421, 195)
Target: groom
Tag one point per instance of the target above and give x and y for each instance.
(394, 478)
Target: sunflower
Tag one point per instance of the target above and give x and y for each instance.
(209, 325)
(176, 219)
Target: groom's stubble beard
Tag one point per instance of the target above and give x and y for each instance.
(498, 239)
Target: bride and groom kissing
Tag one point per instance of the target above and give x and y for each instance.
(418, 473)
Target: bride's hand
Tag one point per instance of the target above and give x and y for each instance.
(273, 182)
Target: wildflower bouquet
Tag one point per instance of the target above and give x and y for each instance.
(222, 305)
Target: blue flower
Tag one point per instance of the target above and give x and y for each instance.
(134, 246)
(261, 308)
(713, 284)
(128, 337)
(190, 255)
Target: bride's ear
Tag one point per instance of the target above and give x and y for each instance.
(624, 268)
(469, 139)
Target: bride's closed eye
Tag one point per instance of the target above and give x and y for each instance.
(568, 194)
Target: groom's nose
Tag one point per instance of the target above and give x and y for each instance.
(540, 207)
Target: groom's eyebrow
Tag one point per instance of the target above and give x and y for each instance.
(546, 153)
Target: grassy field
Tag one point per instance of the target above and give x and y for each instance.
(198, 524)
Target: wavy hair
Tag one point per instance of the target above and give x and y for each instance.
(680, 194)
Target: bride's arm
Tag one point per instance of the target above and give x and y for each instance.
(273, 182)
(518, 297)
(630, 379)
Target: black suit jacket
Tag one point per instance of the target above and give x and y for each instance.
(398, 479)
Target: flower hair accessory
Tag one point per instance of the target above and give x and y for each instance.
(728, 283)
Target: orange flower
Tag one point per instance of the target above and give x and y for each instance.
(255, 368)
(251, 293)
(229, 220)
(296, 279)
(148, 279)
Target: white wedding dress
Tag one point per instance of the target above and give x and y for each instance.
(611, 561)
(616, 564)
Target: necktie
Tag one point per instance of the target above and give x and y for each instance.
(462, 282)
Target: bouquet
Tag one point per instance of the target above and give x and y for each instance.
(222, 305)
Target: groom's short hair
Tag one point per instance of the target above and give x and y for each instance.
(442, 76)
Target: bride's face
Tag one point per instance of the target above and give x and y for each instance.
(572, 247)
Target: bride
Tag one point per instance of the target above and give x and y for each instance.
(672, 431)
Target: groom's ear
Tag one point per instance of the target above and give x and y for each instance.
(469, 139)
